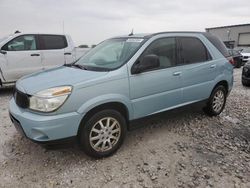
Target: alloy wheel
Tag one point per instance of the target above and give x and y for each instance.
(218, 101)
(105, 134)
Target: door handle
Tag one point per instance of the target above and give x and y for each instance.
(34, 54)
(176, 73)
(212, 66)
(67, 53)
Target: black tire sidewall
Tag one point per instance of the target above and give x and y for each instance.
(209, 108)
(245, 83)
(85, 131)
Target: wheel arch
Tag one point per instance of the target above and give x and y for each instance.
(223, 83)
(1, 77)
(118, 106)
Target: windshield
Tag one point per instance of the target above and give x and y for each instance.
(110, 54)
(246, 50)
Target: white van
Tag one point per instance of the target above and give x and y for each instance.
(22, 54)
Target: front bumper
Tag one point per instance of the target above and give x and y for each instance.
(44, 128)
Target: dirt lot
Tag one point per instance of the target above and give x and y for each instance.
(183, 148)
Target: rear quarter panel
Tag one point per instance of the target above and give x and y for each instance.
(224, 70)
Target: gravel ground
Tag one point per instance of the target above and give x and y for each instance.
(181, 148)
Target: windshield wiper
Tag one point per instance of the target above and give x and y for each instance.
(77, 66)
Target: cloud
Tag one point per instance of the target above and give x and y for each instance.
(89, 22)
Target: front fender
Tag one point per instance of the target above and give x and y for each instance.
(97, 101)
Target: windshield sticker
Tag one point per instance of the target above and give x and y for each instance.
(134, 40)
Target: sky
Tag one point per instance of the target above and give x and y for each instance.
(92, 21)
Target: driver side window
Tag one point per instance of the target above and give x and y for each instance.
(21, 43)
(165, 49)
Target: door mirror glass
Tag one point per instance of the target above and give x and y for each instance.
(148, 62)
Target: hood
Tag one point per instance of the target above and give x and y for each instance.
(60, 76)
(245, 54)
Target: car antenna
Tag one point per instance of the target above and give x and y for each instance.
(17, 32)
(132, 33)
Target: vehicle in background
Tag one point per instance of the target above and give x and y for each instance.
(122, 79)
(79, 52)
(245, 78)
(237, 57)
(245, 52)
(25, 53)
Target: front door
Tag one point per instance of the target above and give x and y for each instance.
(21, 57)
(157, 90)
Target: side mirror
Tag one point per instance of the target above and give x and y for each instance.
(148, 62)
(3, 52)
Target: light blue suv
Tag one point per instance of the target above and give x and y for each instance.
(122, 79)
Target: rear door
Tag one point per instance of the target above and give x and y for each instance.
(54, 48)
(22, 57)
(198, 69)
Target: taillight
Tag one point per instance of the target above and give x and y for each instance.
(231, 61)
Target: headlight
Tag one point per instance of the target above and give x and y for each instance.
(49, 99)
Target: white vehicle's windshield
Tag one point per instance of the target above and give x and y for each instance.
(110, 54)
(246, 50)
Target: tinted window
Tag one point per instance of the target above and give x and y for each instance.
(50, 42)
(217, 43)
(21, 43)
(192, 50)
(165, 49)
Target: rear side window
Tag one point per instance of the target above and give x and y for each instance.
(218, 44)
(52, 42)
(192, 50)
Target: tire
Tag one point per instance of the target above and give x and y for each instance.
(238, 64)
(101, 133)
(219, 96)
(245, 83)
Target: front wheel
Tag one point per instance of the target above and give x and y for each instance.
(216, 102)
(103, 133)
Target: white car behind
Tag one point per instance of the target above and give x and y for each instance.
(245, 55)
(25, 53)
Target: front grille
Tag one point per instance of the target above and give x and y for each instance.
(22, 99)
(245, 57)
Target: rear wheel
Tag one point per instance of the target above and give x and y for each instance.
(216, 102)
(103, 133)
